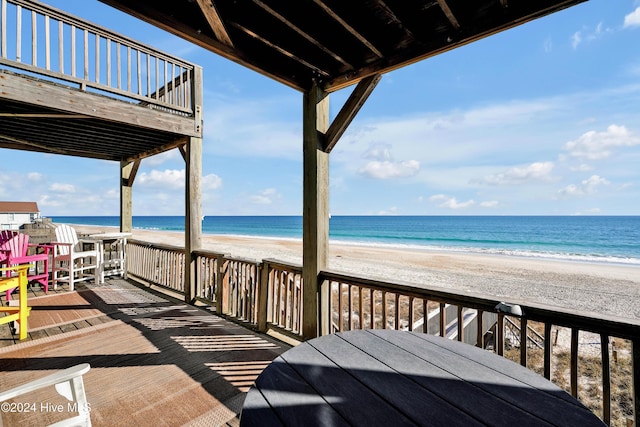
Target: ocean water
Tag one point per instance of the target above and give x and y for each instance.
(611, 239)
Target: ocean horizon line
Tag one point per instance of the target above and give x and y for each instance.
(598, 238)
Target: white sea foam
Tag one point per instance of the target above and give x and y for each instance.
(591, 258)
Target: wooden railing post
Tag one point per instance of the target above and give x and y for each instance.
(635, 344)
(263, 295)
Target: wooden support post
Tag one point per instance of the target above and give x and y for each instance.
(315, 222)
(193, 193)
(193, 217)
(128, 172)
(635, 349)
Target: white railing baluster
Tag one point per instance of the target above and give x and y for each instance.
(73, 51)
(3, 29)
(19, 34)
(61, 47)
(47, 43)
(34, 39)
(97, 76)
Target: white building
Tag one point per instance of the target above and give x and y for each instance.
(14, 214)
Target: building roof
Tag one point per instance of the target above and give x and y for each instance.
(19, 207)
(335, 43)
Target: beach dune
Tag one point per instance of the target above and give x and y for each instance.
(609, 289)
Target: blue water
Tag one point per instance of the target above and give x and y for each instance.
(614, 239)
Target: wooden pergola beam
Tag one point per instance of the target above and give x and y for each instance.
(213, 18)
(349, 110)
(180, 142)
(128, 181)
(449, 14)
(279, 49)
(306, 36)
(183, 151)
(42, 147)
(329, 11)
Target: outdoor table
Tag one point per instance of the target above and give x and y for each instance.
(392, 378)
(116, 261)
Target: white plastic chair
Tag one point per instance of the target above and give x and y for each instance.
(71, 258)
(68, 383)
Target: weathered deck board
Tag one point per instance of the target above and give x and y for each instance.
(160, 362)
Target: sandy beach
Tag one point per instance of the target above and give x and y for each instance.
(613, 290)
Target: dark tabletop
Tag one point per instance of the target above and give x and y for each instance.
(383, 377)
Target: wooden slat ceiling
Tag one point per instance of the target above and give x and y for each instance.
(24, 126)
(335, 43)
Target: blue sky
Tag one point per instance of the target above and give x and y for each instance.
(543, 119)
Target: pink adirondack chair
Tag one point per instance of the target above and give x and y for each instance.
(15, 251)
(6, 235)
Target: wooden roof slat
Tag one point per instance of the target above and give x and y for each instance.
(42, 147)
(450, 16)
(306, 36)
(349, 28)
(279, 49)
(394, 18)
(213, 18)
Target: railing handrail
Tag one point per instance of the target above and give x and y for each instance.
(168, 91)
(591, 322)
(163, 246)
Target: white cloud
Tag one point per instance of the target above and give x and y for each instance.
(265, 197)
(47, 202)
(632, 19)
(211, 182)
(586, 187)
(588, 35)
(35, 176)
(388, 169)
(174, 179)
(489, 204)
(594, 145)
(380, 152)
(539, 171)
(576, 39)
(163, 157)
(382, 165)
(112, 194)
(169, 178)
(62, 188)
(581, 168)
(444, 201)
(393, 210)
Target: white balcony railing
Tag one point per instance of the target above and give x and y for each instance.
(50, 44)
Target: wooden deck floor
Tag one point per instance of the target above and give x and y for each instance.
(154, 361)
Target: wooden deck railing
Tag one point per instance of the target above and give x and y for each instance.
(51, 44)
(267, 295)
(161, 265)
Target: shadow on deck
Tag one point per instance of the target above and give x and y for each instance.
(154, 361)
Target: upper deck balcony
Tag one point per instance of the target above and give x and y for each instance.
(71, 87)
